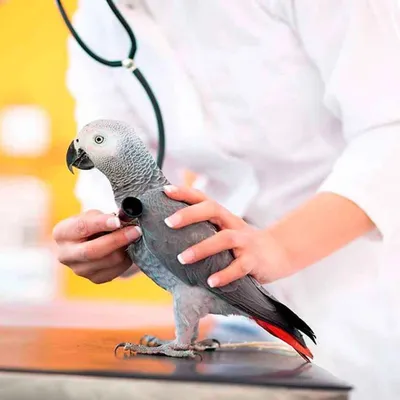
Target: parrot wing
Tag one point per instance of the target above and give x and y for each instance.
(246, 294)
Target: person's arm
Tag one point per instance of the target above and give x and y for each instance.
(359, 64)
(357, 53)
(360, 67)
(319, 227)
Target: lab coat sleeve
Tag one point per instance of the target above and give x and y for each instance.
(355, 46)
(97, 92)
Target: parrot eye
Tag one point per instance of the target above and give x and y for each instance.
(99, 139)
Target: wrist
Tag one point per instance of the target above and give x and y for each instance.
(280, 262)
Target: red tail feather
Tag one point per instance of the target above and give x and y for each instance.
(286, 337)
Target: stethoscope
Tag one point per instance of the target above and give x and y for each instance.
(126, 63)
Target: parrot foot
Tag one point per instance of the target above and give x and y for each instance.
(170, 349)
(203, 345)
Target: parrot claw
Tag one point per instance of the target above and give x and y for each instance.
(119, 345)
(125, 346)
(170, 350)
(206, 345)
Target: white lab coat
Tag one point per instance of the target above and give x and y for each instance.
(271, 102)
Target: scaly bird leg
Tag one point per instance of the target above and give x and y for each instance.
(203, 345)
(180, 347)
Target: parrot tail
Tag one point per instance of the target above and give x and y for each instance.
(287, 338)
(292, 322)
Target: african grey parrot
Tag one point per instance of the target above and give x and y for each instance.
(113, 148)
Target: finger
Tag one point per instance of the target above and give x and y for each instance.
(236, 270)
(101, 247)
(93, 212)
(223, 240)
(89, 268)
(87, 271)
(85, 225)
(207, 210)
(107, 275)
(184, 193)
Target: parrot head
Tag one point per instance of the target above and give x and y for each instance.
(107, 145)
(114, 148)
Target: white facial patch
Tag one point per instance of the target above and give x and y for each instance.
(98, 145)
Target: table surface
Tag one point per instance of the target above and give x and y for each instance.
(90, 352)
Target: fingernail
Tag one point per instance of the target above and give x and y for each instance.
(170, 188)
(173, 220)
(212, 281)
(186, 257)
(133, 232)
(113, 223)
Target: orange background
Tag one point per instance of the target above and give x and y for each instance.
(32, 72)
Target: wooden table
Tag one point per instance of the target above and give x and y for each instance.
(76, 363)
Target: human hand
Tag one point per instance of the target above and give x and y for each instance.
(257, 252)
(100, 259)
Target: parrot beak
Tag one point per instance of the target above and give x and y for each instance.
(78, 159)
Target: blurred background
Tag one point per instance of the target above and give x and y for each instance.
(36, 188)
